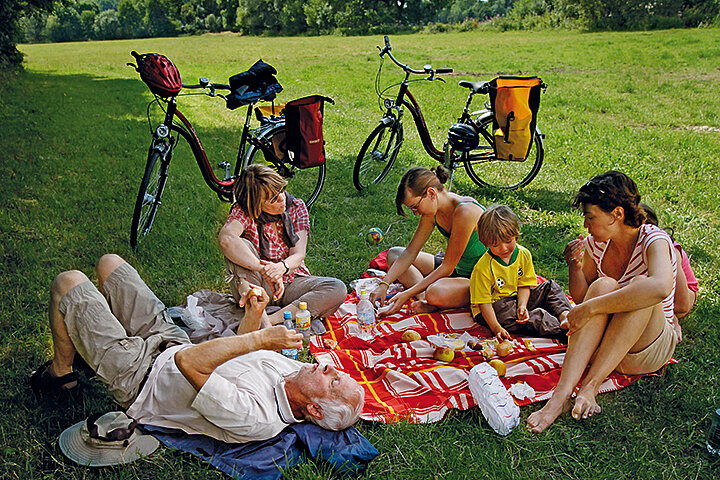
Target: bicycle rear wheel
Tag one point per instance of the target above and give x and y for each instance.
(151, 189)
(305, 183)
(486, 170)
(378, 154)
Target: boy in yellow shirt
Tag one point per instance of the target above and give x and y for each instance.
(503, 288)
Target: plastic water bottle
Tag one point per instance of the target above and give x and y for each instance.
(365, 314)
(302, 321)
(289, 352)
(713, 439)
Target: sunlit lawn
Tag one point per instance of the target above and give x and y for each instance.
(74, 137)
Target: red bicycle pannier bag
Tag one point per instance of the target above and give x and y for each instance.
(304, 130)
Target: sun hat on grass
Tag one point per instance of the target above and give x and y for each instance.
(106, 439)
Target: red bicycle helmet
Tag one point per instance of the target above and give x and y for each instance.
(159, 73)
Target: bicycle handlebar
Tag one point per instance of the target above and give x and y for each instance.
(427, 69)
(205, 83)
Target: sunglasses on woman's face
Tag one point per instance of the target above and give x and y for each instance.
(414, 208)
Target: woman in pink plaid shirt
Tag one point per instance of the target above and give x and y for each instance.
(265, 241)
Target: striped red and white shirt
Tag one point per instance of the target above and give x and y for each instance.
(638, 261)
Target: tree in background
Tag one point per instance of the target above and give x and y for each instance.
(69, 20)
(130, 19)
(162, 17)
(10, 13)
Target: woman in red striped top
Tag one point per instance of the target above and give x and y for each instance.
(622, 278)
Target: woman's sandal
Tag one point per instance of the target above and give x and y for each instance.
(43, 381)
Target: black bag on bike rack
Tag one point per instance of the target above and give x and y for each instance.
(257, 83)
(515, 102)
(304, 130)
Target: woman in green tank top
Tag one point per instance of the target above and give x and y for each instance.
(437, 282)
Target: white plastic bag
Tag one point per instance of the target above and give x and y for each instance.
(193, 316)
(495, 402)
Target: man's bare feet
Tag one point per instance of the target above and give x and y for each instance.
(585, 405)
(421, 306)
(543, 418)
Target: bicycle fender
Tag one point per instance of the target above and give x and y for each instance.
(482, 114)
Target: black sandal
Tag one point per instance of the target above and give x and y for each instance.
(43, 381)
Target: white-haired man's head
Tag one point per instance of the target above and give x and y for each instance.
(329, 398)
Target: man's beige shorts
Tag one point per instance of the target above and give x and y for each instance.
(119, 334)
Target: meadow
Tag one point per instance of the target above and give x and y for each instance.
(74, 137)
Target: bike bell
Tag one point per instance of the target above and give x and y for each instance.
(463, 137)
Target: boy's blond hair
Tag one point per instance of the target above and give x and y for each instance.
(497, 224)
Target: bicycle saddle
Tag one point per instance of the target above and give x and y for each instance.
(476, 87)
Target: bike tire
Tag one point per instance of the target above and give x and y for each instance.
(486, 170)
(378, 154)
(304, 183)
(151, 189)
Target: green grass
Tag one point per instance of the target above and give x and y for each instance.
(74, 140)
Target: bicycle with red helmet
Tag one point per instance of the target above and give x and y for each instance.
(479, 140)
(275, 142)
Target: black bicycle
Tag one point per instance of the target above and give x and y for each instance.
(380, 150)
(265, 144)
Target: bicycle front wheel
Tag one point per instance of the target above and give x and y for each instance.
(378, 154)
(486, 170)
(304, 183)
(151, 189)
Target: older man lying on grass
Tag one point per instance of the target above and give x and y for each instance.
(233, 389)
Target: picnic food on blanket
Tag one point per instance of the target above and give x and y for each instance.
(475, 344)
(444, 354)
(330, 343)
(410, 336)
(505, 348)
(487, 351)
(452, 340)
(499, 366)
(529, 344)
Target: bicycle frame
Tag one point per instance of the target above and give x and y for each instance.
(414, 108)
(223, 188)
(406, 99)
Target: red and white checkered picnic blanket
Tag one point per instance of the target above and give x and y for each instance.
(404, 381)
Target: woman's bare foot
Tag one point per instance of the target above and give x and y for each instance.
(543, 418)
(585, 405)
(563, 320)
(421, 306)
